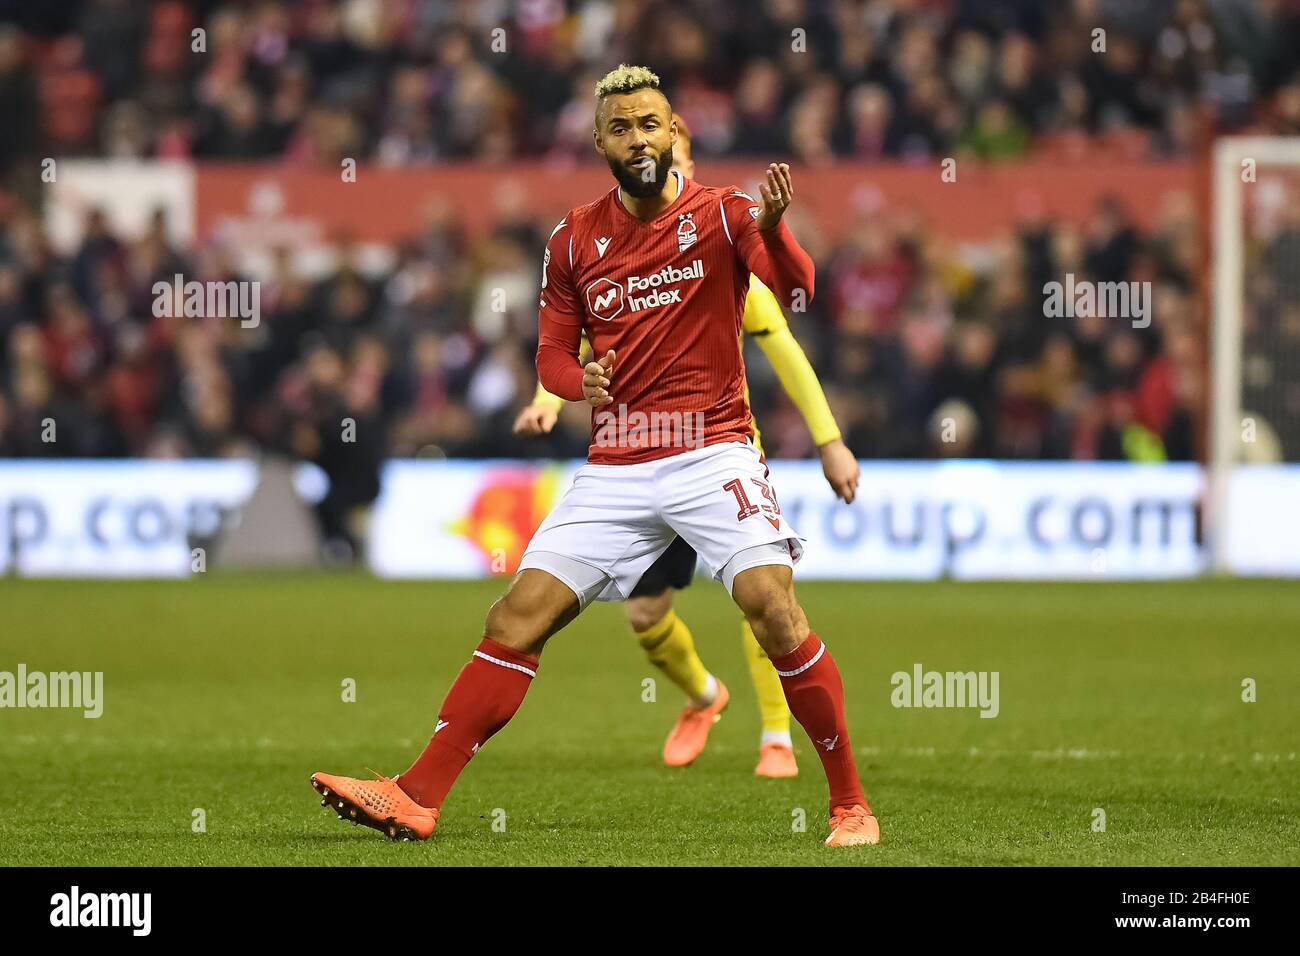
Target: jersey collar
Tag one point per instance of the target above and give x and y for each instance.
(681, 191)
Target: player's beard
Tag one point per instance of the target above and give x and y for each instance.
(634, 185)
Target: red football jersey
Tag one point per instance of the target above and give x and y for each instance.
(667, 296)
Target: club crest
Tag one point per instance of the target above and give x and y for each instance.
(686, 234)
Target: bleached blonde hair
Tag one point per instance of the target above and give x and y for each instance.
(626, 79)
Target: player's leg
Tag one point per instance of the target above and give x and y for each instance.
(722, 502)
(492, 685)
(661, 633)
(761, 582)
(482, 699)
(775, 748)
(669, 645)
(594, 545)
(585, 550)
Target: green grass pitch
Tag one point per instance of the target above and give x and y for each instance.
(224, 693)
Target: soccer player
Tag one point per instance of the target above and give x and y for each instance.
(662, 634)
(655, 272)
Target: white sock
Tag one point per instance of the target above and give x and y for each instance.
(709, 695)
(776, 737)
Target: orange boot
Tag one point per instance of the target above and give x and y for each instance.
(380, 804)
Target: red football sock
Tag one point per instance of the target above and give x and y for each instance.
(486, 694)
(815, 693)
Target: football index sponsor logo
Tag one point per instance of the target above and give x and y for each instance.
(78, 690)
(606, 299)
(74, 908)
(664, 276)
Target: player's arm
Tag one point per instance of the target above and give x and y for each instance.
(765, 321)
(539, 416)
(764, 242)
(559, 321)
(559, 331)
(544, 399)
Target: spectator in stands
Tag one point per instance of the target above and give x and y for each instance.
(910, 333)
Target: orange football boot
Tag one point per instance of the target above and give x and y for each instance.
(776, 760)
(691, 732)
(380, 804)
(853, 826)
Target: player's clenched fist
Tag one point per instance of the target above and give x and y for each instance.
(536, 419)
(595, 381)
(777, 193)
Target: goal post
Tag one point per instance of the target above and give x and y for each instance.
(1255, 379)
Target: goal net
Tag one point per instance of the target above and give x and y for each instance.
(1253, 498)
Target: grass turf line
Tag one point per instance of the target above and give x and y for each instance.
(224, 693)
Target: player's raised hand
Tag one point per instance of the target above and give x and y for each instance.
(841, 469)
(536, 419)
(595, 381)
(777, 193)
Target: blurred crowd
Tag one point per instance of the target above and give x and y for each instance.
(416, 81)
(925, 350)
(921, 352)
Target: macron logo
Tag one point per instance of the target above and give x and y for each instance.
(830, 742)
(441, 724)
(602, 244)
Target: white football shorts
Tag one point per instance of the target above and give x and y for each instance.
(615, 520)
